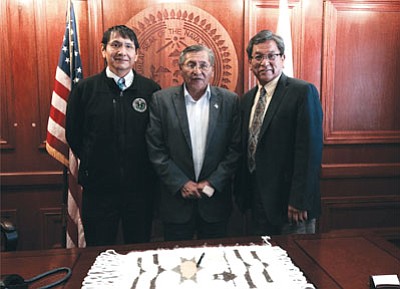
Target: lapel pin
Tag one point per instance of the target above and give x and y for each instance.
(216, 105)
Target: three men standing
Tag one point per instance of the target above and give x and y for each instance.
(196, 134)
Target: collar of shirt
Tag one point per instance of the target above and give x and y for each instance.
(270, 86)
(128, 78)
(270, 89)
(189, 98)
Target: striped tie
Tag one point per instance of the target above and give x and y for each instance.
(255, 128)
(121, 83)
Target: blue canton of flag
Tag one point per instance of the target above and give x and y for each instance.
(70, 59)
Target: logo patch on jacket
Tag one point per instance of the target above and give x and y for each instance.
(139, 104)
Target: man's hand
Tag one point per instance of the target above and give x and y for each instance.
(201, 185)
(296, 216)
(190, 191)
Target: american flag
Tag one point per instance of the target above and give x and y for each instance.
(68, 73)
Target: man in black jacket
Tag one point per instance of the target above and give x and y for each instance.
(282, 144)
(106, 119)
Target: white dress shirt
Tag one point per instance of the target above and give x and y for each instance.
(198, 114)
(128, 78)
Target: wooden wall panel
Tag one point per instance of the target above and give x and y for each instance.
(7, 106)
(377, 213)
(29, 54)
(26, 91)
(345, 188)
(51, 228)
(28, 207)
(359, 42)
(24, 81)
(360, 170)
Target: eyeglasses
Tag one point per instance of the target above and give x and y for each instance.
(201, 66)
(115, 45)
(269, 56)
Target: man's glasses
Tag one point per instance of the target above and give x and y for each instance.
(201, 66)
(269, 56)
(116, 45)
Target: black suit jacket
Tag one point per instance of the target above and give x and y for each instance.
(169, 146)
(107, 133)
(289, 151)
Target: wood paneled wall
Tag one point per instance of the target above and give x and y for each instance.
(348, 49)
(360, 96)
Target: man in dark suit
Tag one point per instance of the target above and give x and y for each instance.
(282, 144)
(193, 140)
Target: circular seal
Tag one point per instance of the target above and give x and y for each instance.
(164, 30)
(139, 104)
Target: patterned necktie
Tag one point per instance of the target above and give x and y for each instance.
(255, 128)
(121, 83)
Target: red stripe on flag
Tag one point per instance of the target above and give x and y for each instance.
(57, 144)
(61, 90)
(57, 116)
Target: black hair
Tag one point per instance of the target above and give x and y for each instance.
(122, 30)
(263, 36)
(196, 48)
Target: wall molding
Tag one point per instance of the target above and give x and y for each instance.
(360, 170)
(344, 213)
(43, 179)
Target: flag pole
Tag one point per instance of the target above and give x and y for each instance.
(66, 168)
(64, 208)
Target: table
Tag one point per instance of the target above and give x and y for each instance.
(329, 261)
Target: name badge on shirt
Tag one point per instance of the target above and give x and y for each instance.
(139, 104)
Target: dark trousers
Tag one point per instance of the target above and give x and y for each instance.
(262, 226)
(195, 226)
(102, 214)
